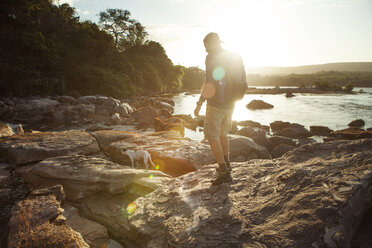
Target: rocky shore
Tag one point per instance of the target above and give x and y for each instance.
(288, 190)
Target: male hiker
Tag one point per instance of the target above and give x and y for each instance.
(225, 83)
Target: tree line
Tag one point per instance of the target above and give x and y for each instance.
(322, 79)
(46, 49)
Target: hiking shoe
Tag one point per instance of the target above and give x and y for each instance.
(222, 178)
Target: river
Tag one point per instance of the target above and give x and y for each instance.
(332, 110)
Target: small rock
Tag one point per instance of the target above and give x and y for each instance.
(357, 123)
(279, 125)
(5, 130)
(259, 104)
(289, 94)
(320, 130)
(249, 123)
(115, 118)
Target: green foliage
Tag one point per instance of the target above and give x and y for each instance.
(339, 78)
(349, 87)
(321, 85)
(46, 49)
(127, 32)
(155, 71)
(100, 81)
(193, 78)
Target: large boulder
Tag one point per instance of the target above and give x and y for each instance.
(244, 146)
(67, 100)
(34, 147)
(295, 131)
(259, 104)
(108, 103)
(122, 109)
(87, 110)
(145, 115)
(279, 125)
(37, 221)
(320, 130)
(167, 106)
(314, 196)
(86, 100)
(287, 129)
(190, 122)
(34, 107)
(258, 135)
(170, 124)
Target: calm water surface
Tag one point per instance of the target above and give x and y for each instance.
(332, 110)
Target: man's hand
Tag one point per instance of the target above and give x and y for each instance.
(197, 109)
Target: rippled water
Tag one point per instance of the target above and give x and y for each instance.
(332, 110)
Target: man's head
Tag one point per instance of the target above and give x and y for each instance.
(212, 42)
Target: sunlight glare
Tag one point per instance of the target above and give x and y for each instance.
(252, 32)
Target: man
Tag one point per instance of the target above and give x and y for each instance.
(221, 68)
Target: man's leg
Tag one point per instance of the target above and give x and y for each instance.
(217, 151)
(224, 140)
(212, 130)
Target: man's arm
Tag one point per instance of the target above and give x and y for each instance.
(202, 99)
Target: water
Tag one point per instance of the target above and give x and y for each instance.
(332, 110)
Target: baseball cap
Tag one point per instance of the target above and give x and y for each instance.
(212, 38)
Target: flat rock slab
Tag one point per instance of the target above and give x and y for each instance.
(83, 176)
(93, 233)
(34, 147)
(173, 154)
(313, 196)
(100, 189)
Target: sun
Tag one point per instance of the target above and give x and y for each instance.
(254, 34)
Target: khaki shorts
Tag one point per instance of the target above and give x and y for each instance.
(217, 122)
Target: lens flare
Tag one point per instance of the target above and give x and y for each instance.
(159, 164)
(208, 90)
(151, 176)
(131, 208)
(218, 73)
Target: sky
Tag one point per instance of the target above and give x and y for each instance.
(264, 32)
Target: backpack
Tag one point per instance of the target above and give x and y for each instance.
(235, 78)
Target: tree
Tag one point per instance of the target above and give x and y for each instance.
(349, 87)
(193, 78)
(127, 32)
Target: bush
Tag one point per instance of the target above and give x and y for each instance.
(349, 87)
(90, 80)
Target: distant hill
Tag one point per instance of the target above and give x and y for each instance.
(308, 69)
